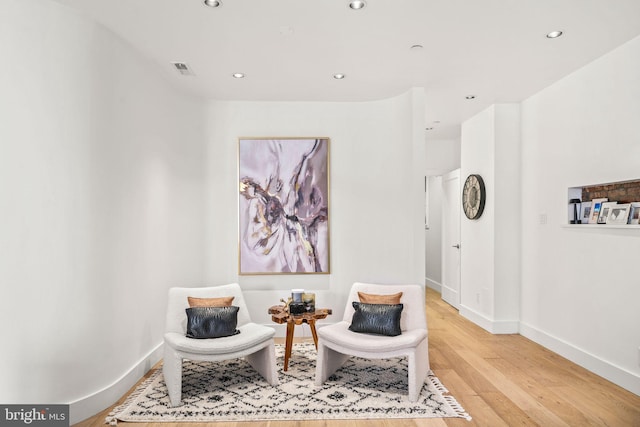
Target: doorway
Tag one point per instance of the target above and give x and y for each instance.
(451, 206)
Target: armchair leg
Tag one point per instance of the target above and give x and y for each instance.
(328, 362)
(264, 361)
(172, 371)
(418, 364)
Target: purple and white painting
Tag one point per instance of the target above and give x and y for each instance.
(284, 205)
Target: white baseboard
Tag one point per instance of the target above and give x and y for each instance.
(617, 375)
(433, 284)
(491, 325)
(90, 405)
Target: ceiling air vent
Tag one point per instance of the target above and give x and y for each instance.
(183, 68)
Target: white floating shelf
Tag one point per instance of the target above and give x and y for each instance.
(602, 226)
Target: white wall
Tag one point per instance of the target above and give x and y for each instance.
(490, 245)
(442, 156)
(580, 286)
(101, 180)
(376, 205)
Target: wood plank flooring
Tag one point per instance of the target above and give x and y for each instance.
(500, 380)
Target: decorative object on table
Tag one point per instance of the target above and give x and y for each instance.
(586, 212)
(219, 393)
(285, 304)
(634, 215)
(596, 206)
(309, 300)
(296, 295)
(605, 210)
(575, 209)
(280, 316)
(296, 307)
(619, 214)
(254, 343)
(473, 196)
(336, 343)
(284, 205)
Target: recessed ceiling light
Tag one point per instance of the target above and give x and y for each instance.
(357, 4)
(554, 34)
(238, 75)
(470, 97)
(213, 3)
(339, 76)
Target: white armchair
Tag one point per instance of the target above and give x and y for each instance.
(336, 343)
(254, 342)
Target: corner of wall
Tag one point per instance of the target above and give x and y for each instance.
(93, 404)
(490, 325)
(430, 283)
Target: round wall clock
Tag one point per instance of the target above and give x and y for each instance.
(473, 196)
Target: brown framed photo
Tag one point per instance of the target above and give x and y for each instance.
(283, 205)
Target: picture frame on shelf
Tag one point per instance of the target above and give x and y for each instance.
(596, 206)
(605, 211)
(619, 214)
(634, 213)
(585, 212)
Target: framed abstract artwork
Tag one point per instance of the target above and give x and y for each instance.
(283, 206)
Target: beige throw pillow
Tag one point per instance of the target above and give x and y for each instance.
(379, 299)
(210, 302)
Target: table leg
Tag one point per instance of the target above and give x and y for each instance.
(288, 344)
(312, 325)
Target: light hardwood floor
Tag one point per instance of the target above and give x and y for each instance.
(501, 380)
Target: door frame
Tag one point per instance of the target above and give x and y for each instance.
(451, 216)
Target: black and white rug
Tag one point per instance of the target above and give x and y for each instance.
(233, 391)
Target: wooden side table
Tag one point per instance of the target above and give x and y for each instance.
(278, 315)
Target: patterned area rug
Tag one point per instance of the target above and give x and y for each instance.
(233, 391)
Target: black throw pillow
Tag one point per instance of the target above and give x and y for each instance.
(212, 322)
(381, 319)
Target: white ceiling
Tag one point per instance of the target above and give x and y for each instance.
(290, 49)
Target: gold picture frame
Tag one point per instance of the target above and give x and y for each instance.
(283, 209)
